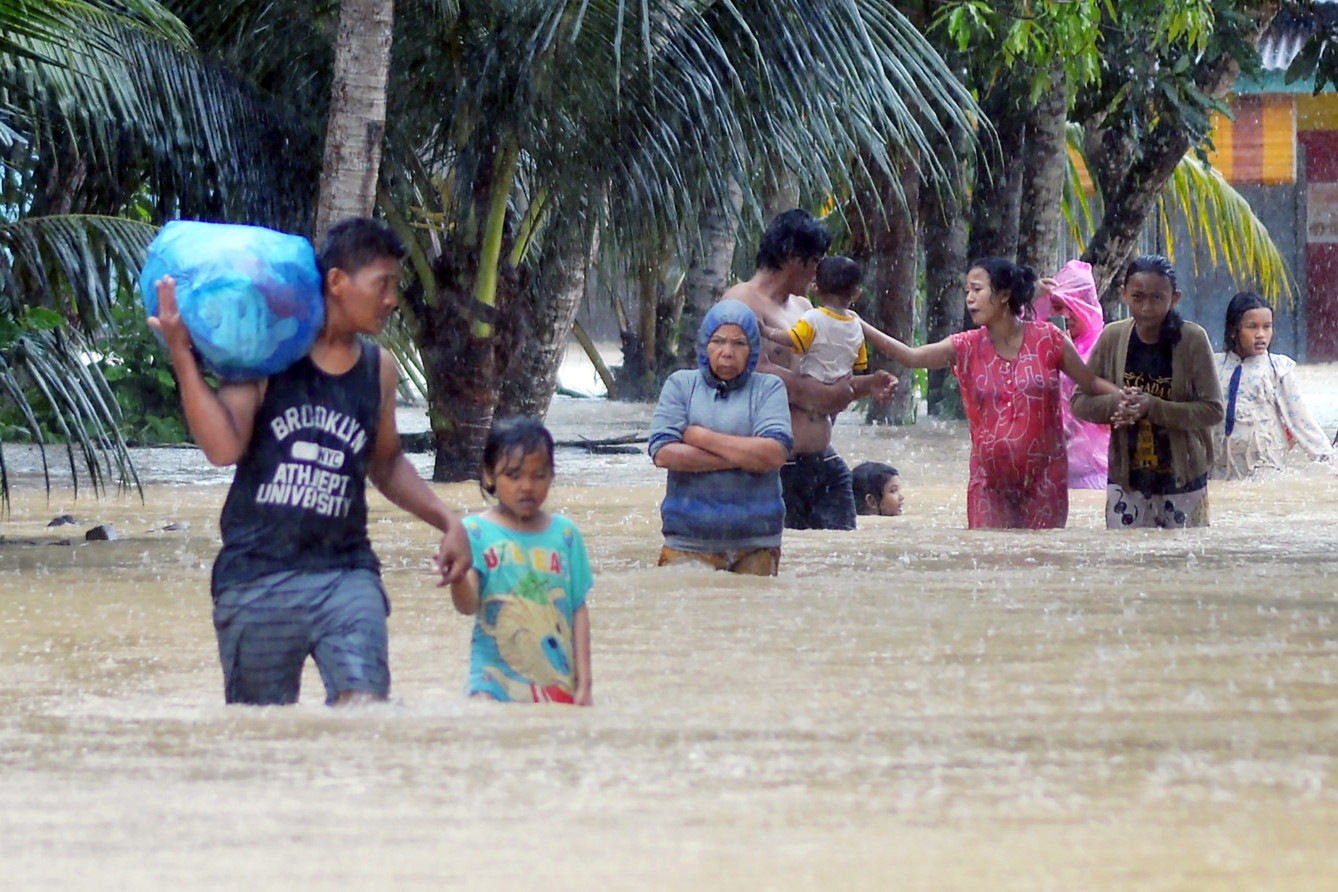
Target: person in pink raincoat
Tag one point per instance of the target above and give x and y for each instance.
(1072, 295)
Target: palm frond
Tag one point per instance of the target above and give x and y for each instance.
(398, 339)
(653, 106)
(120, 107)
(78, 402)
(1215, 217)
(73, 264)
(25, 22)
(1220, 220)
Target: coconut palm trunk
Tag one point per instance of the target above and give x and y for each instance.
(462, 373)
(1045, 167)
(357, 118)
(996, 200)
(708, 274)
(538, 334)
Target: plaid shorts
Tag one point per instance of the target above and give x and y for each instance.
(266, 630)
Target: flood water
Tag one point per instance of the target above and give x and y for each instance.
(908, 706)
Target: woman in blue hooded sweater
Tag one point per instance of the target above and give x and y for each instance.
(723, 433)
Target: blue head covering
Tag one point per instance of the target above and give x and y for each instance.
(728, 312)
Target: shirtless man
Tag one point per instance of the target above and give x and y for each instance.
(815, 480)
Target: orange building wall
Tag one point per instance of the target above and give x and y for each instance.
(1259, 147)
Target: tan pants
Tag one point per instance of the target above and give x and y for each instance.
(762, 562)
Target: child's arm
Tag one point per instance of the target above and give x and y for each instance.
(580, 630)
(1300, 423)
(465, 592)
(220, 421)
(930, 356)
(776, 335)
(397, 480)
(1076, 369)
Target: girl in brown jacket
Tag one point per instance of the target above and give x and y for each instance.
(1162, 420)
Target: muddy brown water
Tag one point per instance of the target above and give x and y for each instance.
(908, 706)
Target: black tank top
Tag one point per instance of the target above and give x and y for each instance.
(299, 498)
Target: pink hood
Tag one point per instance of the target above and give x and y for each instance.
(1075, 286)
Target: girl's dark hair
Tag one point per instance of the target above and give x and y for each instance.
(1151, 263)
(868, 479)
(1159, 265)
(1241, 304)
(1005, 275)
(511, 439)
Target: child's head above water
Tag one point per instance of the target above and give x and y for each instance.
(1249, 325)
(517, 466)
(877, 489)
(837, 280)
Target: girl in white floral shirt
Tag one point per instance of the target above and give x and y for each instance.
(1265, 414)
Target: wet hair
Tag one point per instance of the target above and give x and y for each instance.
(794, 235)
(1151, 263)
(869, 479)
(509, 441)
(838, 276)
(1159, 265)
(1241, 304)
(1005, 275)
(356, 242)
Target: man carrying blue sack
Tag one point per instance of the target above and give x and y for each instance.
(297, 575)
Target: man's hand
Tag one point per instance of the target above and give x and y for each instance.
(453, 558)
(885, 384)
(168, 322)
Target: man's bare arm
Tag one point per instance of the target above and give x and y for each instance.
(221, 421)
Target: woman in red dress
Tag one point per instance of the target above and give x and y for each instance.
(1008, 372)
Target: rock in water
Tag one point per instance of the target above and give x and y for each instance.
(101, 533)
(251, 297)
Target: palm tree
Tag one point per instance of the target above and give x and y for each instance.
(108, 123)
(546, 132)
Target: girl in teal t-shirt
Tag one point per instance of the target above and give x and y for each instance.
(527, 587)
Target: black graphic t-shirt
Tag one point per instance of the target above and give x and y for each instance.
(298, 500)
(1148, 367)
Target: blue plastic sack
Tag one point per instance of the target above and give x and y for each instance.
(250, 297)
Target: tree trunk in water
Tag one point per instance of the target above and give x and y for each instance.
(357, 119)
(462, 388)
(886, 245)
(997, 198)
(1045, 167)
(708, 274)
(538, 341)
